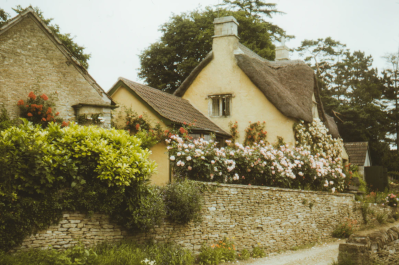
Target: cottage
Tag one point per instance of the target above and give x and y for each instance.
(170, 111)
(359, 154)
(235, 84)
(32, 58)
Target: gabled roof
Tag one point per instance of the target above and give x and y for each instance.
(29, 12)
(288, 85)
(357, 152)
(170, 107)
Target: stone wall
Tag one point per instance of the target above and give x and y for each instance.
(31, 60)
(275, 218)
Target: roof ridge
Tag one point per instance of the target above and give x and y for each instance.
(152, 88)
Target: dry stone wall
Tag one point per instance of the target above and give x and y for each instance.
(275, 218)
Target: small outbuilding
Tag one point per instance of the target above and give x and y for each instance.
(359, 154)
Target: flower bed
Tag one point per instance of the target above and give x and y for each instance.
(312, 165)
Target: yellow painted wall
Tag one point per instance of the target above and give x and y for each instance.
(124, 98)
(223, 76)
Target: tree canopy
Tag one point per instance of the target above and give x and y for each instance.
(187, 39)
(76, 50)
(353, 92)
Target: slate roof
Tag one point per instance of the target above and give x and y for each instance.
(30, 12)
(357, 152)
(173, 108)
(288, 85)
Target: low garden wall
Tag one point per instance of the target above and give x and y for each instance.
(274, 218)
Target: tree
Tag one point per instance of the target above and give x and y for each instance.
(352, 91)
(253, 7)
(76, 50)
(392, 83)
(187, 39)
(3, 17)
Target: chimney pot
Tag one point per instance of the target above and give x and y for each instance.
(225, 26)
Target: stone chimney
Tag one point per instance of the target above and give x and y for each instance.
(282, 52)
(225, 40)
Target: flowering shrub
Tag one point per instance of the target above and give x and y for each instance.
(234, 131)
(345, 229)
(315, 138)
(255, 133)
(223, 251)
(39, 110)
(259, 164)
(392, 200)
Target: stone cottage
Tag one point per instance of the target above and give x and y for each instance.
(233, 83)
(167, 110)
(32, 58)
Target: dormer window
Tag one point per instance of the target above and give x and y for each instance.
(220, 105)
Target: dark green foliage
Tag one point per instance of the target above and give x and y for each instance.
(222, 252)
(258, 252)
(76, 50)
(122, 253)
(183, 201)
(4, 16)
(141, 210)
(343, 230)
(352, 92)
(187, 39)
(5, 121)
(253, 7)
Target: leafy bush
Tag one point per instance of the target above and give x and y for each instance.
(122, 253)
(391, 200)
(5, 121)
(244, 255)
(76, 168)
(183, 201)
(345, 229)
(382, 218)
(258, 252)
(221, 252)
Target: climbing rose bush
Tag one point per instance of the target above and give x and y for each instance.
(315, 138)
(260, 164)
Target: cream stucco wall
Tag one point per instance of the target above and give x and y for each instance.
(125, 98)
(223, 76)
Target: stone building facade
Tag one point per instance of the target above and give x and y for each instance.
(32, 58)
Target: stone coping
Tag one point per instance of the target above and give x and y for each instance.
(238, 186)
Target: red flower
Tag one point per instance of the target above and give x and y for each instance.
(57, 114)
(184, 123)
(64, 124)
(141, 116)
(27, 106)
(182, 130)
(20, 102)
(40, 107)
(32, 95)
(33, 106)
(127, 123)
(137, 126)
(49, 110)
(44, 97)
(44, 119)
(30, 114)
(39, 113)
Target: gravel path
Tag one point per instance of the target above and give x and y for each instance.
(323, 254)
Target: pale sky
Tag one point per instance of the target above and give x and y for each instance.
(115, 32)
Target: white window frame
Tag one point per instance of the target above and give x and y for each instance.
(220, 101)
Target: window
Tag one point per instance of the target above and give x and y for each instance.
(220, 105)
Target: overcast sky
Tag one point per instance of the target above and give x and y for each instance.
(115, 32)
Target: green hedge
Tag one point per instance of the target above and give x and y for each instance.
(47, 171)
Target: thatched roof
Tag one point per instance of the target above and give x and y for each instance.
(170, 107)
(29, 12)
(357, 152)
(288, 85)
